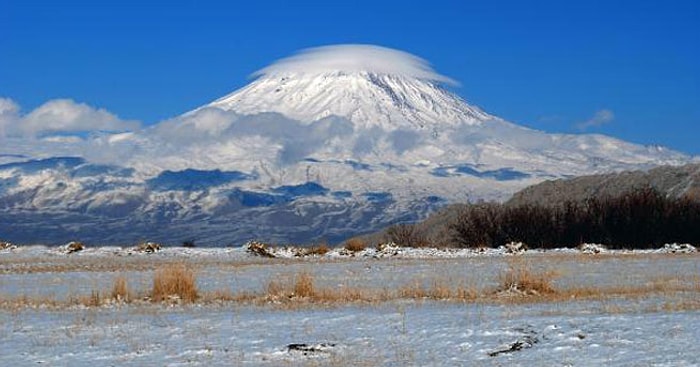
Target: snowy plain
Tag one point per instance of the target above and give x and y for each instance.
(652, 330)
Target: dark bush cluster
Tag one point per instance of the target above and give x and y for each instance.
(406, 235)
(640, 219)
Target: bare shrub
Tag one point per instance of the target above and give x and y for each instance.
(355, 245)
(408, 235)
(174, 280)
(479, 225)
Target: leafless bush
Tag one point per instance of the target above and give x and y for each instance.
(408, 235)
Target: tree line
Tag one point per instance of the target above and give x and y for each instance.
(640, 219)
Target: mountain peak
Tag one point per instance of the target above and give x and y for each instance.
(368, 85)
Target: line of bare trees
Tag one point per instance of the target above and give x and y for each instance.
(640, 219)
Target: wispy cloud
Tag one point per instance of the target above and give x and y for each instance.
(601, 117)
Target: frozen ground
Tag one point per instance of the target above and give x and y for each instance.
(654, 329)
(395, 334)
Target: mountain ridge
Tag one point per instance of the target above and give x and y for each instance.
(360, 138)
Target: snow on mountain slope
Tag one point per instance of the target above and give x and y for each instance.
(329, 143)
(368, 85)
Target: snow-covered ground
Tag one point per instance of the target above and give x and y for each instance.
(654, 329)
(396, 334)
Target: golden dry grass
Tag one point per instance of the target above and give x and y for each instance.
(438, 290)
(355, 245)
(522, 279)
(318, 250)
(120, 290)
(175, 281)
(531, 279)
(304, 285)
(300, 290)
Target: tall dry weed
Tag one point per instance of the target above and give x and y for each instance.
(120, 290)
(174, 281)
(304, 285)
(355, 245)
(521, 278)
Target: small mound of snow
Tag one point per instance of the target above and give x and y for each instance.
(147, 248)
(678, 248)
(592, 248)
(515, 247)
(387, 250)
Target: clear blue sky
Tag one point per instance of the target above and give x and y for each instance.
(550, 65)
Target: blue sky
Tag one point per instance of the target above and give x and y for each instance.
(630, 69)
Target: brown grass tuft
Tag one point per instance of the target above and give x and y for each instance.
(319, 250)
(355, 245)
(174, 280)
(438, 290)
(94, 300)
(521, 279)
(120, 290)
(304, 286)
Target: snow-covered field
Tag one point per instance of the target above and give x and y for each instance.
(657, 327)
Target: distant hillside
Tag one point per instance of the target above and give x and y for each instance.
(674, 181)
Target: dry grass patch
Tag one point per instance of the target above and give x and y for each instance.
(120, 290)
(521, 279)
(175, 281)
(438, 290)
(355, 245)
(304, 286)
(319, 250)
(301, 289)
(227, 296)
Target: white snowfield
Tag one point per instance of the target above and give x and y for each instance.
(654, 330)
(430, 334)
(330, 143)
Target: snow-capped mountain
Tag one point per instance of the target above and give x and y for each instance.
(329, 143)
(368, 85)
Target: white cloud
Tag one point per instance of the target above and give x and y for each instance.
(59, 116)
(9, 115)
(354, 58)
(601, 117)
